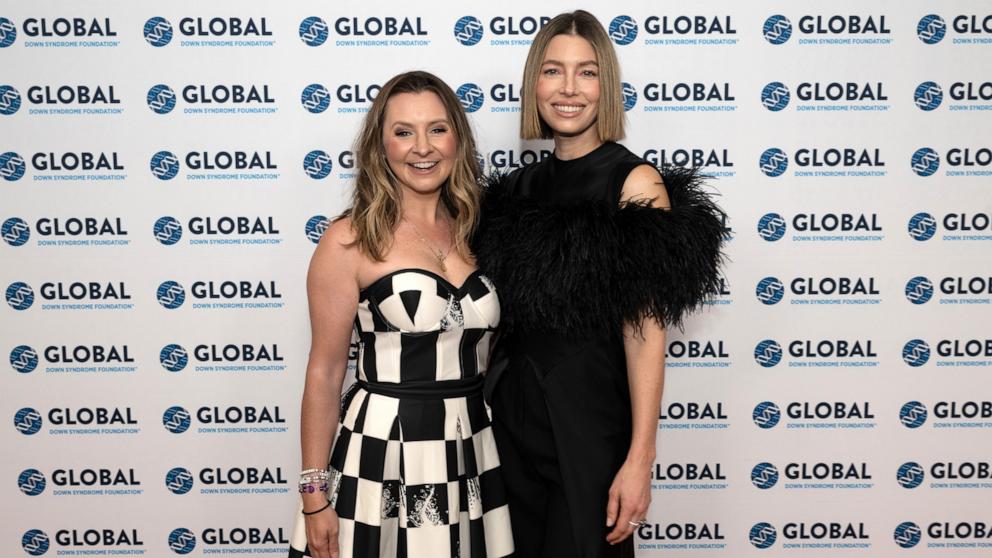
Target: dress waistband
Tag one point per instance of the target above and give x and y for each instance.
(441, 389)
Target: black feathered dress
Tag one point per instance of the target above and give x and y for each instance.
(572, 265)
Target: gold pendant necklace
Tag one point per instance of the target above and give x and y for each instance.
(437, 254)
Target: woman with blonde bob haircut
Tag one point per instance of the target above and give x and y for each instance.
(595, 254)
(413, 469)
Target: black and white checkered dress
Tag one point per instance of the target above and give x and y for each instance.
(414, 469)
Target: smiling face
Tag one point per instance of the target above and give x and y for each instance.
(419, 141)
(567, 87)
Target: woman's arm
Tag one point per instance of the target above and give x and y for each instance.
(644, 348)
(332, 294)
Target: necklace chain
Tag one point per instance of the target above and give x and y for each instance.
(439, 255)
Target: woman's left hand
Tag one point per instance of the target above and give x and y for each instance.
(630, 496)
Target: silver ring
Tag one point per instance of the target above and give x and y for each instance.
(634, 523)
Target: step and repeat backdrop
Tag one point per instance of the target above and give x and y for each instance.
(166, 170)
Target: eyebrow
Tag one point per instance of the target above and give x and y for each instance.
(431, 123)
(583, 63)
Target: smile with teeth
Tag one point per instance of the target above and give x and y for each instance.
(424, 165)
(568, 108)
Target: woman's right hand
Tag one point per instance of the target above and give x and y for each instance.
(322, 531)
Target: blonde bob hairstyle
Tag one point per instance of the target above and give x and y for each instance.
(375, 210)
(610, 119)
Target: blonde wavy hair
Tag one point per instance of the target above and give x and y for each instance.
(375, 210)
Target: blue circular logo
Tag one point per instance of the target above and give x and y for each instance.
(171, 295)
(8, 32)
(931, 29)
(768, 353)
(10, 100)
(762, 535)
(928, 95)
(925, 161)
(164, 165)
(471, 97)
(910, 475)
(773, 162)
(629, 96)
(317, 164)
(468, 30)
(176, 419)
(623, 30)
(20, 296)
(919, 290)
(161, 99)
(771, 227)
(764, 475)
(922, 226)
(913, 414)
(775, 96)
(11, 166)
(15, 231)
(766, 414)
(158, 31)
(173, 357)
(916, 352)
(24, 359)
(315, 98)
(315, 227)
(31, 482)
(777, 29)
(179, 480)
(182, 541)
(313, 31)
(167, 230)
(27, 421)
(907, 534)
(770, 290)
(35, 542)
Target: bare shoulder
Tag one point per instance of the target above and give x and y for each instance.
(644, 183)
(336, 257)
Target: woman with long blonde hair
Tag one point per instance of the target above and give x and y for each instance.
(413, 467)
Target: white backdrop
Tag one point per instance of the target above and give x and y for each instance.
(836, 400)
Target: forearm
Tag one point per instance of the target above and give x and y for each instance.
(645, 353)
(319, 416)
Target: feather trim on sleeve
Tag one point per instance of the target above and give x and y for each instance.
(586, 269)
(669, 260)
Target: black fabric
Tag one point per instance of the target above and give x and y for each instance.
(569, 259)
(572, 265)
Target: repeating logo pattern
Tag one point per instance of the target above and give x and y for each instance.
(161, 99)
(173, 357)
(164, 165)
(24, 359)
(775, 96)
(31, 482)
(15, 231)
(10, 100)
(916, 352)
(764, 475)
(777, 29)
(925, 161)
(931, 29)
(913, 414)
(766, 414)
(317, 164)
(27, 421)
(182, 541)
(623, 30)
(471, 97)
(315, 98)
(910, 475)
(167, 230)
(171, 295)
(770, 291)
(11, 166)
(158, 31)
(928, 96)
(35, 542)
(315, 227)
(771, 227)
(919, 290)
(907, 534)
(468, 30)
(922, 226)
(179, 480)
(8, 32)
(313, 31)
(20, 296)
(762, 535)
(629, 93)
(176, 420)
(773, 162)
(768, 353)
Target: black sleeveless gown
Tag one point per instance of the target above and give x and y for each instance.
(572, 266)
